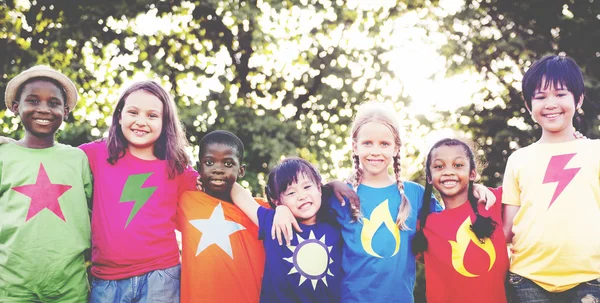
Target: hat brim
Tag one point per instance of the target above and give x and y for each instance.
(13, 85)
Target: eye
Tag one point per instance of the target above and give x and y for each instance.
(385, 144)
(209, 162)
(290, 193)
(307, 186)
(55, 103)
(367, 143)
(458, 165)
(132, 112)
(228, 164)
(33, 101)
(539, 97)
(438, 166)
(561, 95)
(153, 116)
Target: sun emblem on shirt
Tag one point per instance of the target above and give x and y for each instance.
(310, 259)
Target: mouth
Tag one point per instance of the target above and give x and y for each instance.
(375, 162)
(305, 205)
(449, 183)
(138, 132)
(42, 121)
(217, 182)
(552, 115)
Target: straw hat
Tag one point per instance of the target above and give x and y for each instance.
(41, 71)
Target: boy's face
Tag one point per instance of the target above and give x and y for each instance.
(553, 108)
(219, 168)
(41, 107)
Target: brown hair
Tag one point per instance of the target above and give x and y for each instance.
(385, 114)
(171, 143)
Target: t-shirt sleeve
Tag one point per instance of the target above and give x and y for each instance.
(88, 185)
(187, 181)
(265, 222)
(91, 151)
(510, 187)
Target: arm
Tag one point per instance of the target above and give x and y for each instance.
(242, 198)
(341, 190)
(485, 195)
(4, 140)
(510, 211)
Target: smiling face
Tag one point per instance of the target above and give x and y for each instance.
(303, 198)
(375, 147)
(553, 107)
(219, 169)
(451, 172)
(42, 108)
(141, 121)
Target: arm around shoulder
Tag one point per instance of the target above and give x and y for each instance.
(243, 199)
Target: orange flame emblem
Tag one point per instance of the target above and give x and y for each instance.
(464, 236)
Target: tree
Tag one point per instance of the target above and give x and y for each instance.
(500, 39)
(285, 76)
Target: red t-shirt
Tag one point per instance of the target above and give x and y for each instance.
(459, 268)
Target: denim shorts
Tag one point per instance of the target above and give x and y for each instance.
(522, 290)
(161, 285)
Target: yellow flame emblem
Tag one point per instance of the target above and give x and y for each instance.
(464, 235)
(380, 215)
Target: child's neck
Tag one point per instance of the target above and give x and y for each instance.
(146, 153)
(381, 180)
(565, 135)
(35, 142)
(223, 196)
(455, 201)
(310, 221)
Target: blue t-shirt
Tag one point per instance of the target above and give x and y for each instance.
(309, 270)
(378, 263)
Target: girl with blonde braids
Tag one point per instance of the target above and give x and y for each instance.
(377, 258)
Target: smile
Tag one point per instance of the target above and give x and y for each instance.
(552, 116)
(139, 132)
(217, 182)
(449, 183)
(42, 121)
(304, 205)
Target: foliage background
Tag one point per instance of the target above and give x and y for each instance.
(286, 76)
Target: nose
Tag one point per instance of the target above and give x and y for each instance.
(43, 107)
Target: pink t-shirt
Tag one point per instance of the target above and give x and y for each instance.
(133, 214)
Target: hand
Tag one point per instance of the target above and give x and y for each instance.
(282, 224)
(579, 135)
(5, 140)
(199, 184)
(485, 195)
(341, 190)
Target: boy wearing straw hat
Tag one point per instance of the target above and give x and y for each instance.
(45, 190)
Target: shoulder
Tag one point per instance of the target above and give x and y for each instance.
(70, 151)
(413, 190)
(93, 146)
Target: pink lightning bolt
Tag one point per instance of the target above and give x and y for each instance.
(556, 172)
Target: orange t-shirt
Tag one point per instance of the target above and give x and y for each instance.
(222, 258)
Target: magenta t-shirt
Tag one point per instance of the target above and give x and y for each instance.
(133, 214)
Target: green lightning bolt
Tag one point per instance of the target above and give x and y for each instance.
(133, 191)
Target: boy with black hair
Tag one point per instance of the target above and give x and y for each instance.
(222, 258)
(45, 191)
(551, 194)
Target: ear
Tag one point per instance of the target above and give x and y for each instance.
(15, 107)
(242, 171)
(527, 107)
(429, 181)
(66, 113)
(579, 103)
(473, 175)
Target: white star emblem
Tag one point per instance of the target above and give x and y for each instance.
(216, 230)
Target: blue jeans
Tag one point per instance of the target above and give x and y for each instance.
(523, 290)
(161, 285)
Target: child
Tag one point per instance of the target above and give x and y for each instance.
(222, 259)
(308, 270)
(552, 194)
(139, 173)
(377, 258)
(45, 188)
(465, 254)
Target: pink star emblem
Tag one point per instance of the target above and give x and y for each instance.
(43, 194)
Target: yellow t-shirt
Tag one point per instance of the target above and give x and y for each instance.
(556, 240)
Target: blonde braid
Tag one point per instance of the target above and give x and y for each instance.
(404, 210)
(355, 180)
